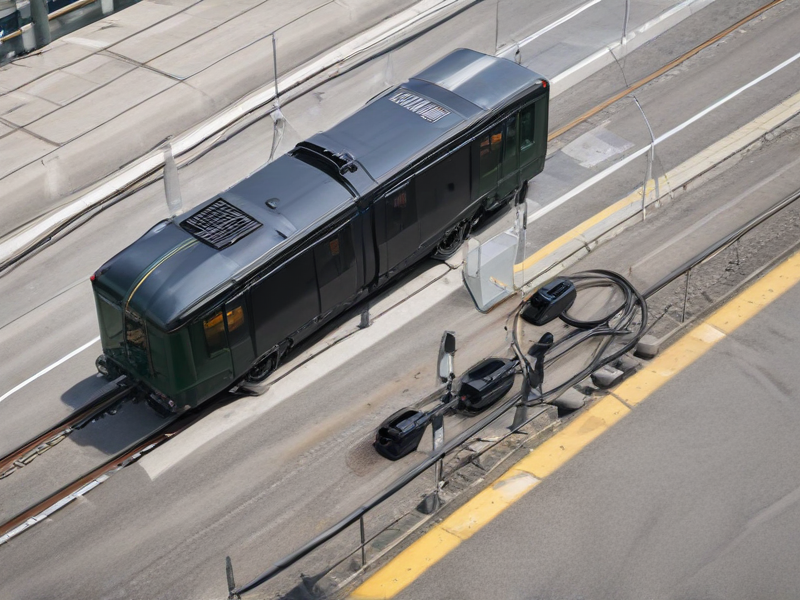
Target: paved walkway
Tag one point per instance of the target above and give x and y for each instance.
(694, 494)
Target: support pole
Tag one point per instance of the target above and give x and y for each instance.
(363, 541)
(172, 184)
(624, 39)
(41, 24)
(231, 582)
(651, 156)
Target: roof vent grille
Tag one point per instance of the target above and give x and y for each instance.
(220, 224)
(430, 111)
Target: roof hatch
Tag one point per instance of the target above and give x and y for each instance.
(220, 224)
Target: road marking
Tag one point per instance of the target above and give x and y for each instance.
(662, 138)
(50, 368)
(445, 537)
(679, 176)
(714, 214)
(406, 567)
(524, 42)
(245, 410)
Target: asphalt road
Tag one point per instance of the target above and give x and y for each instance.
(264, 474)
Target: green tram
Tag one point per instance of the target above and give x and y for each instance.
(223, 292)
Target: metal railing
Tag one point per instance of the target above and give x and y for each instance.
(44, 34)
(436, 458)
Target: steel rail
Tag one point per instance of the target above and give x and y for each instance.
(92, 409)
(34, 513)
(658, 73)
(146, 176)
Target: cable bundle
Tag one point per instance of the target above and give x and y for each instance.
(613, 325)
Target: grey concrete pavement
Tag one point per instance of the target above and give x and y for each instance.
(693, 495)
(161, 528)
(69, 262)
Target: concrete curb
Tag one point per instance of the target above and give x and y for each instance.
(579, 241)
(327, 66)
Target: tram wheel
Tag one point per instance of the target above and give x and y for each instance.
(263, 368)
(451, 242)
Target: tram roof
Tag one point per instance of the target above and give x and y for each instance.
(401, 124)
(290, 195)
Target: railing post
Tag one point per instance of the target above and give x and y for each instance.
(685, 295)
(41, 23)
(229, 576)
(363, 541)
(172, 184)
(432, 502)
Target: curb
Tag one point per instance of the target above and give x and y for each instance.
(582, 239)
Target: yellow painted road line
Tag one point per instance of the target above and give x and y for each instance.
(679, 176)
(407, 566)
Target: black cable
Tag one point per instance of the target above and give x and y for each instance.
(611, 326)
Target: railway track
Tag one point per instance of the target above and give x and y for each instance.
(104, 402)
(44, 508)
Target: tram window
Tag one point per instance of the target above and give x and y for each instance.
(111, 322)
(510, 155)
(526, 139)
(490, 145)
(401, 212)
(214, 328)
(336, 273)
(135, 333)
(235, 318)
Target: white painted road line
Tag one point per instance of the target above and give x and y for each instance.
(546, 209)
(628, 159)
(714, 214)
(50, 368)
(556, 23)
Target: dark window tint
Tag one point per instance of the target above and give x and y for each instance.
(490, 147)
(402, 225)
(214, 329)
(510, 154)
(285, 301)
(526, 139)
(110, 323)
(401, 212)
(336, 268)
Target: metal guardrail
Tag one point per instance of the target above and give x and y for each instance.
(391, 34)
(53, 15)
(357, 516)
(720, 245)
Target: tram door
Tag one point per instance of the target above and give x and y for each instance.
(239, 335)
(401, 226)
(509, 161)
